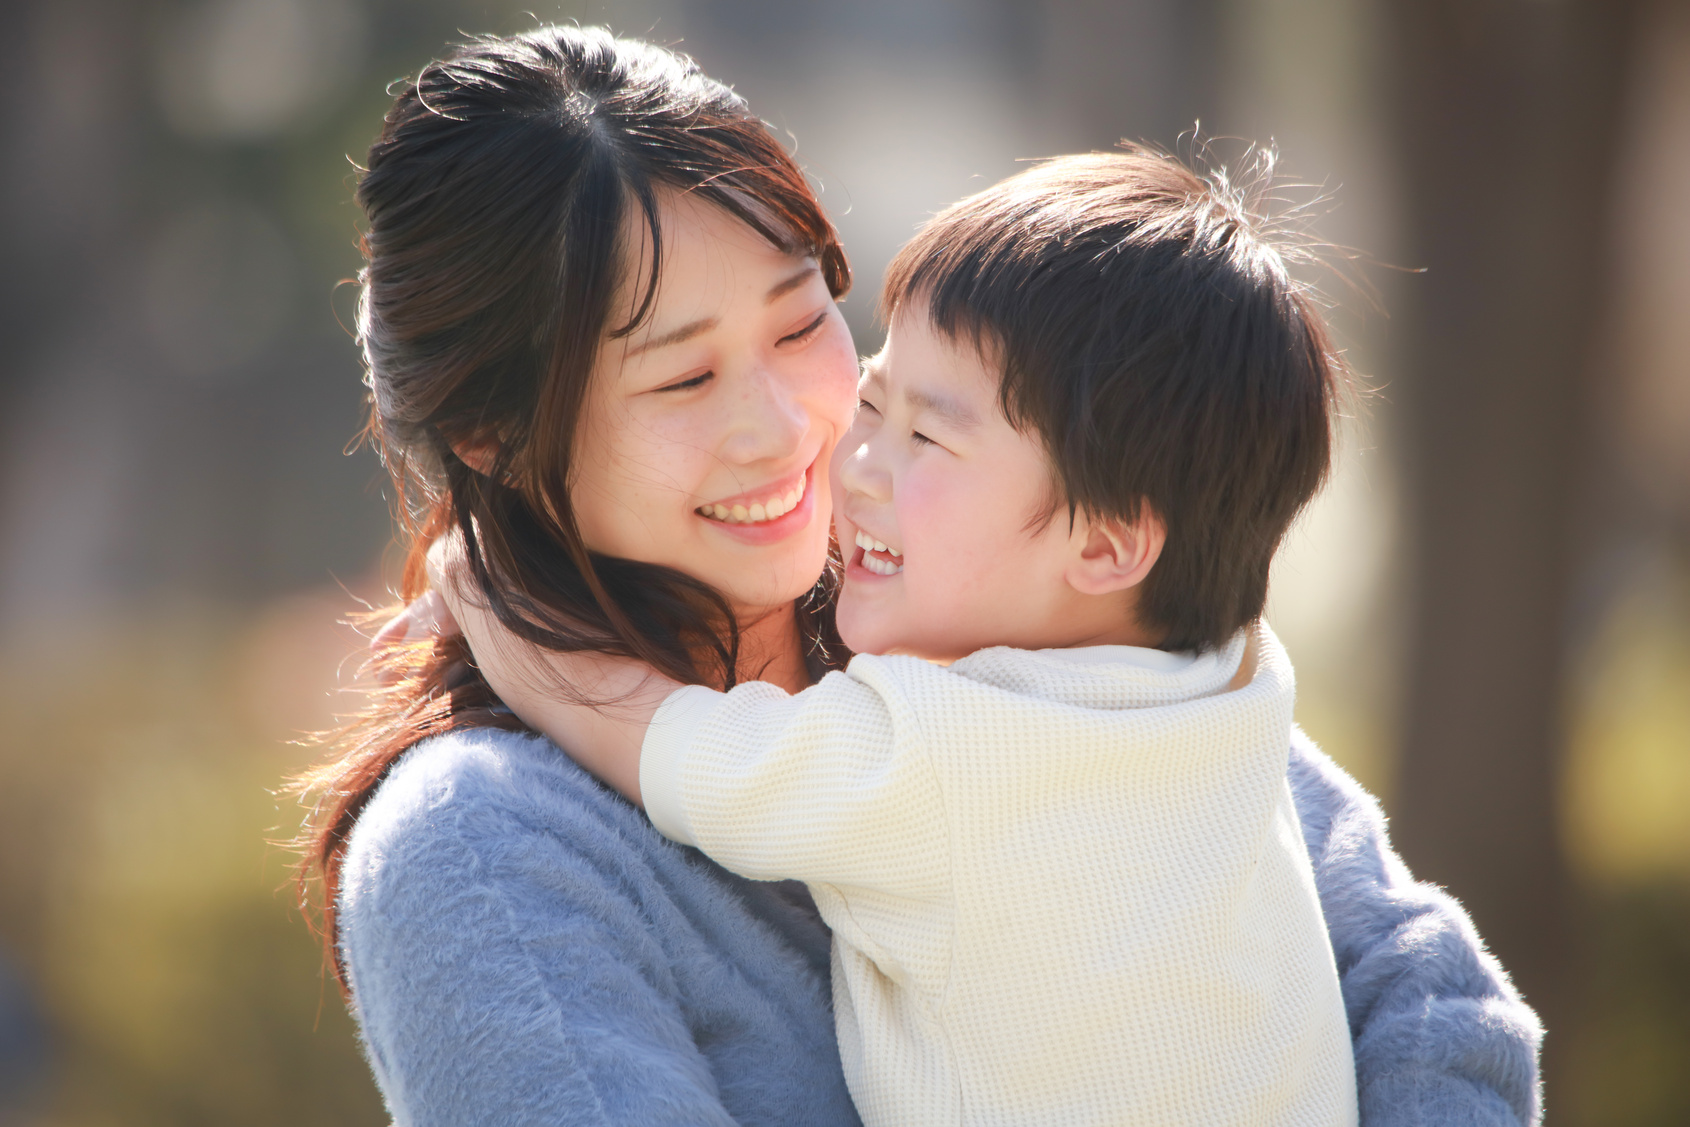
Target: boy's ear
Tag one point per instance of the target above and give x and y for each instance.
(1113, 555)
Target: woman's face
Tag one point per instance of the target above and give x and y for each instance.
(705, 436)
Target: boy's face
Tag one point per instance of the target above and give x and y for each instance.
(932, 470)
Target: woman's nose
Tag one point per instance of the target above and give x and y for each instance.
(769, 421)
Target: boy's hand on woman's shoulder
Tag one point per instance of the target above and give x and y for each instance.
(426, 616)
(593, 706)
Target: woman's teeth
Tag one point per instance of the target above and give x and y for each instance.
(874, 563)
(770, 509)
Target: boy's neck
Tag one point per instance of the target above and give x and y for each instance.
(1112, 621)
(1129, 633)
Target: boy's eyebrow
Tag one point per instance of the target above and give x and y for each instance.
(958, 414)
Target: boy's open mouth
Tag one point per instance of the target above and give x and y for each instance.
(877, 557)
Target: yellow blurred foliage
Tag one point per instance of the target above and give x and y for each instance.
(139, 891)
(1626, 798)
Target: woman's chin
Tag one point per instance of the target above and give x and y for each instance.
(781, 585)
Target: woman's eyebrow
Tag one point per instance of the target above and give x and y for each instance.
(781, 288)
(692, 328)
(674, 336)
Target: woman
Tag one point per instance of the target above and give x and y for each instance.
(599, 323)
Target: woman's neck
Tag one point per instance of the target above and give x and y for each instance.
(771, 648)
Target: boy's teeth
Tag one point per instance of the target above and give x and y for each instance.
(882, 567)
(869, 544)
(777, 506)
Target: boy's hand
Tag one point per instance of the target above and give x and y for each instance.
(426, 616)
(543, 687)
(419, 620)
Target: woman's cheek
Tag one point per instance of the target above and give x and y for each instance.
(837, 378)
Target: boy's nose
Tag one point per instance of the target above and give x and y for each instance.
(859, 471)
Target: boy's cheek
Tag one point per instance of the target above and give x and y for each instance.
(944, 543)
(835, 462)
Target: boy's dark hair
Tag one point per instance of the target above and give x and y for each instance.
(1149, 333)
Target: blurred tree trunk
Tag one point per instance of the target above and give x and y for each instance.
(1507, 114)
(68, 68)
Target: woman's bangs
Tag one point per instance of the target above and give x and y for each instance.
(778, 204)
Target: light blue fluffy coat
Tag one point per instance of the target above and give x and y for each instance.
(524, 948)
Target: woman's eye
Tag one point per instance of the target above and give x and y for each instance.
(920, 439)
(807, 330)
(697, 381)
(865, 405)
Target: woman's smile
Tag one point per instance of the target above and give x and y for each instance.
(706, 434)
(766, 514)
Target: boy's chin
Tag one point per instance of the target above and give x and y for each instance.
(860, 632)
(859, 641)
(882, 638)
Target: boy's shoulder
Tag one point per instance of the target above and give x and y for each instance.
(1109, 678)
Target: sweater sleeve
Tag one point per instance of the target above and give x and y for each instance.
(500, 976)
(1441, 1036)
(830, 785)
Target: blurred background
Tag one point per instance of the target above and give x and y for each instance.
(1489, 607)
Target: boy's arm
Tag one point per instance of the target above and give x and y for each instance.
(831, 785)
(822, 786)
(1440, 1034)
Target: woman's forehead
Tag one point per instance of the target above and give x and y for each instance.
(711, 265)
(693, 232)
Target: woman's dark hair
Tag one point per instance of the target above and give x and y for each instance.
(1148, 332)
(496, 198)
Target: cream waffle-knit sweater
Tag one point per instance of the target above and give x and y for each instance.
(1065, 886)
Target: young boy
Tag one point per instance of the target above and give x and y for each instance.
(1045, 811)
